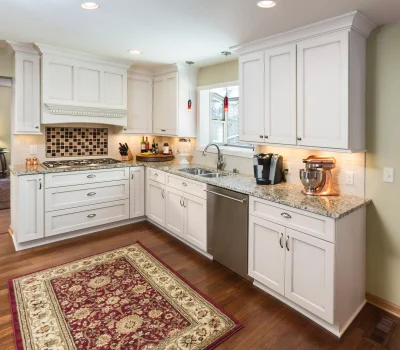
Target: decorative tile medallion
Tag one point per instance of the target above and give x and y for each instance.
(122, 299)
(75, 142)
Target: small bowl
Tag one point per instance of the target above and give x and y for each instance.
(311, 179)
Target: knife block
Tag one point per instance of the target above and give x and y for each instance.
(128, 157)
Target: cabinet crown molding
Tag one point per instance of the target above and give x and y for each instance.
(47, 49)
(350, 21)
(13, 46)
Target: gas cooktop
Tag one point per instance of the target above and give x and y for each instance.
(79, 163)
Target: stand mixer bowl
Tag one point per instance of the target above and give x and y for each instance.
(311, 179)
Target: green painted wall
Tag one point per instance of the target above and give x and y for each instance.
(383, 143)
(218, 73)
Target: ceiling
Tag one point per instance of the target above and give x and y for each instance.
(169, 31)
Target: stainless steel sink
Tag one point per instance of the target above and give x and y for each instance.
(214, 175)
(196, 171)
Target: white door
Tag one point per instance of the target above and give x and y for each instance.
(310, 273)
(267, 253)
(159, 103)
(175, 211)
(280, 95)
(251, 106)
(27, 93)
(171, 117)
(140, 105)
(196, 221)
(323, 91)
(156, 202)
(136, 190)
(30, 207)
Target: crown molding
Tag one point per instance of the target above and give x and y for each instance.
(349, 21)
(47, 49)
(13, 46)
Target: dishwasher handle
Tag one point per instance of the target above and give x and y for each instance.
(222, 195)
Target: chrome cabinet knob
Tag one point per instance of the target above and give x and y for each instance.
(261, 136)
(36, 127)
(299, 138)
(266, 136)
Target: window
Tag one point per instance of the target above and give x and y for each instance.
(224, 126)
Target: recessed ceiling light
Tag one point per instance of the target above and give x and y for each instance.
(266, 4)
(90, 5)
(135, 52)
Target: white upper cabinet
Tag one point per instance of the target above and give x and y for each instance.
(26, 89)
(323, 91)
(280, 95)
(140, 104)
(251, 75)
(306, 87)
(170, 101)
(80, 88)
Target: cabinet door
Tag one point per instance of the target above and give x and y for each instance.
(30, 208)
(136, 189)
(156, 202)
(159, 104)
(175, 211)
(140, 105)
(280, 95)
(310, 273)
(196, 221)
(251, 106)
(27, 94)
(323, 91)
(267, 253)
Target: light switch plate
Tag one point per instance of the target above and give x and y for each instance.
(33, 149)
(388, 174)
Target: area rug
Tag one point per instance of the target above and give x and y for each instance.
(122, 299)
(4, 193)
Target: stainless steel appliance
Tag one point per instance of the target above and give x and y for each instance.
(317, 176)
(268, 169)
(227, 228)
(79, 163)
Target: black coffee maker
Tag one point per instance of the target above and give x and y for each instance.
(268, 169)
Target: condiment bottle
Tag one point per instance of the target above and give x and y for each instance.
(166, 148)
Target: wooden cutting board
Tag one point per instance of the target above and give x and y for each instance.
(150, 157)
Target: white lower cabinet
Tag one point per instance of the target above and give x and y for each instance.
(309, 273)
(156, 202)
(136, 192)
(266, 253)
(27, 202)
(195, 223)
(293, 264)
(175, 211)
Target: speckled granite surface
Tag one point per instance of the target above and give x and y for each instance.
(286, 193)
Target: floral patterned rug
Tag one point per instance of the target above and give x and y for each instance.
(122, 299)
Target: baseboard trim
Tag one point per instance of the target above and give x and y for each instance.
(383, 304)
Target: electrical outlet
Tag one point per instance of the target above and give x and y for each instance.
(33, 149)
(388, 174)
(349, 178)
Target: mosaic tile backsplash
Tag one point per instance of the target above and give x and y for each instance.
(75, 142)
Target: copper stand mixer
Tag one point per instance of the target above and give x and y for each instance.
(317, 176)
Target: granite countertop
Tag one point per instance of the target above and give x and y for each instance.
(285, 193)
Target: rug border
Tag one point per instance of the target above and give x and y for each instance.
(14, 312)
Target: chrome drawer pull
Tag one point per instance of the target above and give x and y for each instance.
(40, 184)
(162, 193)
(133, 174)
(156, 175)
(91, 193)
(163, 130)
(280, 241)
(286, 215)
(287, 243)
(91, 176)
(91, 215)
(184, 184)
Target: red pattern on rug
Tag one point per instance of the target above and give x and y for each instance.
(112, 306)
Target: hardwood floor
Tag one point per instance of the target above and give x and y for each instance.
(268, 323)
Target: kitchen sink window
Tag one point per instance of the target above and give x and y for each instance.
(221, 127)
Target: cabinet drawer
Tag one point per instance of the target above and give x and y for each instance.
(86, 177)
(312, 224)
(65, 197)
(67, 220)
(156, 175)
(189, 186)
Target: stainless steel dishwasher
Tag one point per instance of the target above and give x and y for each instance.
(227, 228)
